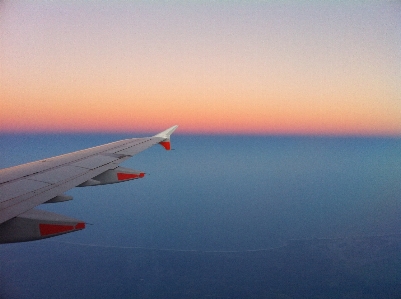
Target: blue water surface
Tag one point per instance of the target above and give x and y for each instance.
(212, 193)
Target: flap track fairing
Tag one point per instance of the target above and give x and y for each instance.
(112, 176)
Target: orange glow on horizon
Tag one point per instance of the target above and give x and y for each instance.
(249, 68)
(199, 117)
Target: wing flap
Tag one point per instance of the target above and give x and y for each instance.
(20, 171)
(18, 188)
(94, 161)
(58, 175)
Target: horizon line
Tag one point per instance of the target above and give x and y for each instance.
(206, 133)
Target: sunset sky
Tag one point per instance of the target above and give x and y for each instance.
(230, 67)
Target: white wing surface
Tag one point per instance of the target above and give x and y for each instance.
(26, 186)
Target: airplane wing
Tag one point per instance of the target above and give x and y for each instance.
(26, 186)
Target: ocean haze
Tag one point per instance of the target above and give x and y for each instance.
(211, 194)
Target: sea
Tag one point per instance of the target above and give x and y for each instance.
(220, 217)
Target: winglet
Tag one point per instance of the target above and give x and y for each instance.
(166, 137)
(166, 134)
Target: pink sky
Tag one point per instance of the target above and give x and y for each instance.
(211, 67)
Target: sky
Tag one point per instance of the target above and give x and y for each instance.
(212, 67)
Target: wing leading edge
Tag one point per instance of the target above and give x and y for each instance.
(26, 186)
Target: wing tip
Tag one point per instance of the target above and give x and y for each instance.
(166, 137)
(166, 133)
